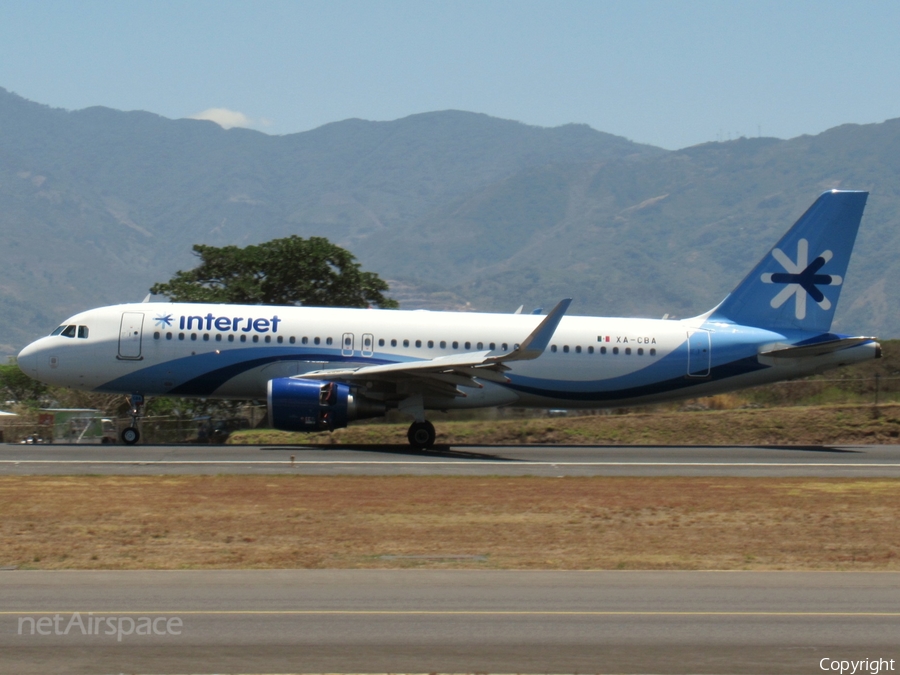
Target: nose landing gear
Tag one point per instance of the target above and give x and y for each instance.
(131, 434)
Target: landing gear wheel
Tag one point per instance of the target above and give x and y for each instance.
(130, 435)
(421, 435)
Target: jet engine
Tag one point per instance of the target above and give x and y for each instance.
(312, 405)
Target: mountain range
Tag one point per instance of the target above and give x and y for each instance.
(457, 210)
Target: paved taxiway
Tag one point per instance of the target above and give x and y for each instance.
(452, 621)
(816, 461)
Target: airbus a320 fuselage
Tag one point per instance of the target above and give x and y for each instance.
(321, 368)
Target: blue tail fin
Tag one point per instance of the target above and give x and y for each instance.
(798, 283)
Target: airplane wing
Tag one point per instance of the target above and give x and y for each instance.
(445, 374)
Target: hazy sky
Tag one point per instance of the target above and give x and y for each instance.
(668, 73)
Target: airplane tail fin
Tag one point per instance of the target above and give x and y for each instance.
(798, 283)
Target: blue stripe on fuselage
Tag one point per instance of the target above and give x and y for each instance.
(616, 388)
(203, 374)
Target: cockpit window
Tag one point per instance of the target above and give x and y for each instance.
(71, 331)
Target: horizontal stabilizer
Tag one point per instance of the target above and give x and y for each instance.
(818, 349)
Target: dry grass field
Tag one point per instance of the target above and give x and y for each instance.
(178, 522)
(811, 425)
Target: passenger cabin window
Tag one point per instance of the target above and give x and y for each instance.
(406, 343)
(455, 344)
(418, 343)
(553, 348)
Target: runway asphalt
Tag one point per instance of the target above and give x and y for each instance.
(290, 621)
(450, 621)
(813, 461)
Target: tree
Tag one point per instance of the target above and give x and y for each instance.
(17, 386)
(290, 271)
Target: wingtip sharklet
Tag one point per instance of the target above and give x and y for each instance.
(535, 344)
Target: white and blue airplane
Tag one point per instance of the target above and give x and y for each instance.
(321, 368)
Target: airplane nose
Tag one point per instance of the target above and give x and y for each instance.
(28, 361)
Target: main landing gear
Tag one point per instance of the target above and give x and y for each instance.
(131, 434)
(421, 435)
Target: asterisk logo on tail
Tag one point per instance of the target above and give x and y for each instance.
(801, 279)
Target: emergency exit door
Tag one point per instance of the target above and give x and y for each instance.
(347, 344)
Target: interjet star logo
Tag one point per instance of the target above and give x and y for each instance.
(801, 279)
(163, 320)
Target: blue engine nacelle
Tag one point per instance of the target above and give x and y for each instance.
(313, 405)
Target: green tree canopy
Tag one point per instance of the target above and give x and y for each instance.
(290, 271)
(17, 386)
